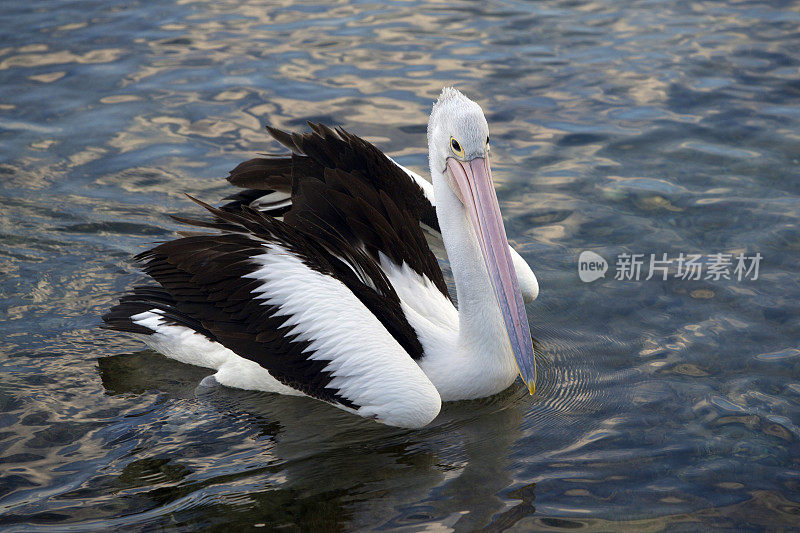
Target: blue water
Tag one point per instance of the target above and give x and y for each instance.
(638, 127)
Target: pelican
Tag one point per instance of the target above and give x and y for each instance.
(317, 280)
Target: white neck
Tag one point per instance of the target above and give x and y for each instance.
(481, 362)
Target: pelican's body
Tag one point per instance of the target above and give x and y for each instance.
(318, 280)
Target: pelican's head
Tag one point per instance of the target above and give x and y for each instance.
(458, 148)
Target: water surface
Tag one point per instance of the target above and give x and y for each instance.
(617, 127)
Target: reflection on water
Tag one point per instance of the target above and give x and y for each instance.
(313, 464)
(636, 127)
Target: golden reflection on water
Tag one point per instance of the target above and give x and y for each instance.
(29, 59)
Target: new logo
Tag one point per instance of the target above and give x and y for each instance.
(591, 266)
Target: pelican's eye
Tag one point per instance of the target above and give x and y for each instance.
(487, 144)
(457, 150)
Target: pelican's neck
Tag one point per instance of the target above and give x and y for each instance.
(482, 335)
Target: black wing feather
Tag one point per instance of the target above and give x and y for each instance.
(203, 286)
(356, 168)
(349, 204)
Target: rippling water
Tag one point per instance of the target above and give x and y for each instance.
(638, 127)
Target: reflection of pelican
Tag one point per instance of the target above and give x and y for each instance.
(341, 299)
(293, 459)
